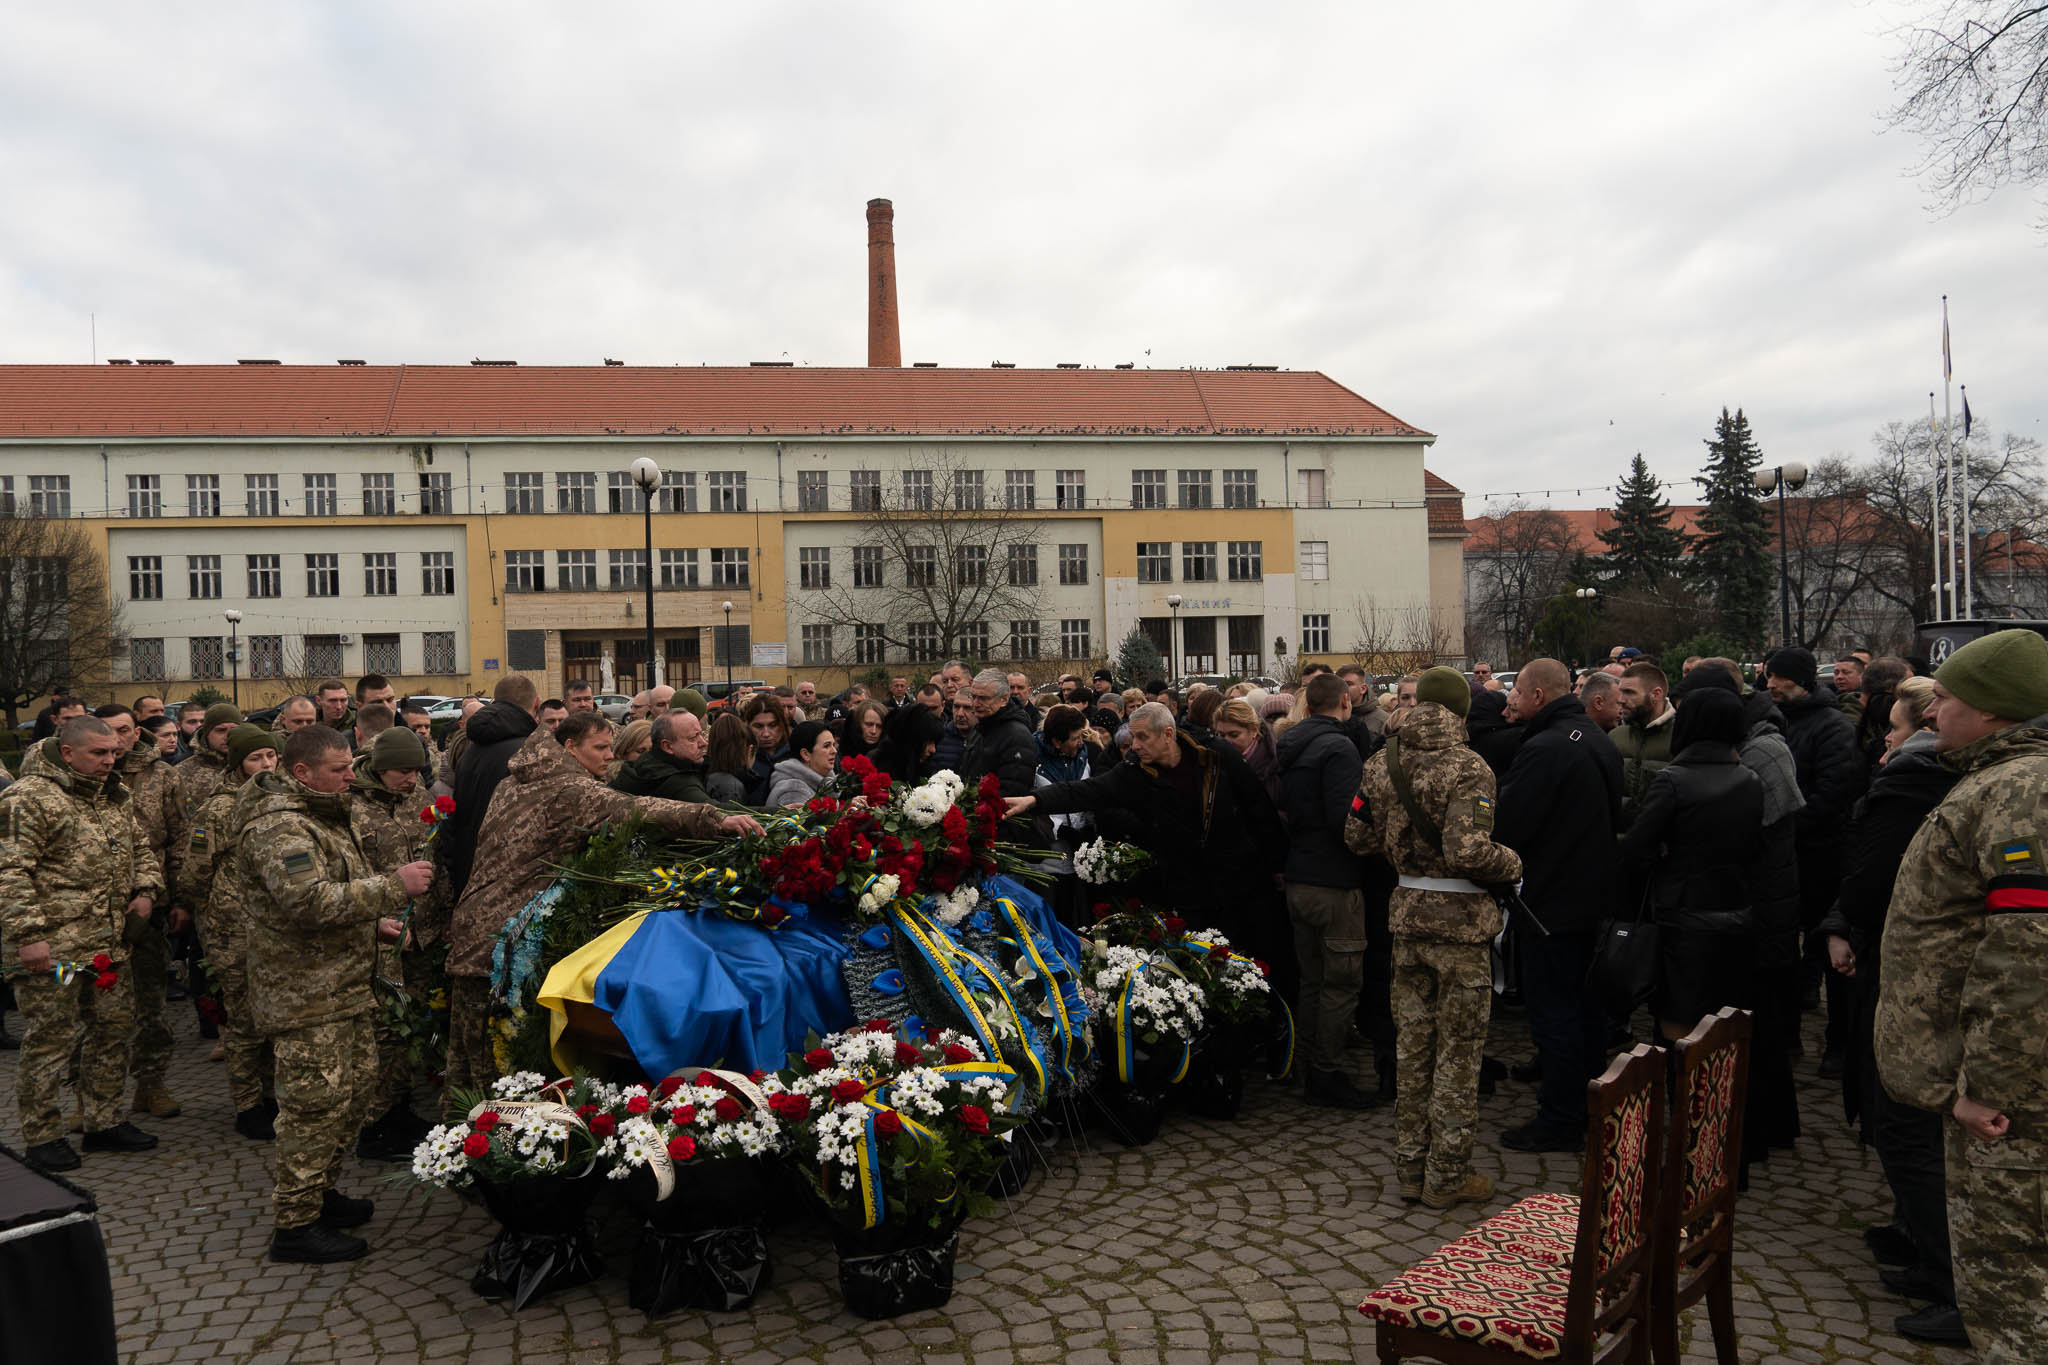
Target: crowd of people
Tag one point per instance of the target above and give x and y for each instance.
(1865, 843)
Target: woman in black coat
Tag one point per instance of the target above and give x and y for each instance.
(1689, 848)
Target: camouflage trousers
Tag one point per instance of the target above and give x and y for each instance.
(1329, 943)
(1998, 1236)
(323, 1079)
(149, 967)
(392, 1085)
(247, 1052)
(1442, 995)
(472, 1062)
(55, 1016)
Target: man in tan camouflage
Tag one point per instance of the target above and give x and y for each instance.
(152, 796)
(315, 912)
(1962, 1012)
(76, 877)
(1426, 806)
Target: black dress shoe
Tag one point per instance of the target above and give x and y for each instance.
(337, 1210)
(1890, 1245)
(1914, 1283)
(1940, 1323)
(1543, 1137)
(1334, 1090)
(255, 1124)
(315, 1244)
(1526, 1073)
(122, 1137)
(55, 1155)
(382, 1142)
(1491, 1072)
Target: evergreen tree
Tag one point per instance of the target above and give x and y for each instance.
(1643, 547)
(1732, 560)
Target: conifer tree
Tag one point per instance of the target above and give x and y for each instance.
(1732, 559)
(1642, 547)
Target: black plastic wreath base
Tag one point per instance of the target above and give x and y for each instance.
(522, 1266)
(887, 1271)
(717, 1269)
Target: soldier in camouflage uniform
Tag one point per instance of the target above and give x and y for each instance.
(314, 913)
(76, 874)
(1962, 1013)
(152, 794)
(1438, 836)
(205, 871)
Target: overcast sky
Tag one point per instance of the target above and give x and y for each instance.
(1553, 234)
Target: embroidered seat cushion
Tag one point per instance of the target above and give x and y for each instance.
(1502, 1285)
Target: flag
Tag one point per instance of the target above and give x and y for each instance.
(1966, 412)
(1948, 369)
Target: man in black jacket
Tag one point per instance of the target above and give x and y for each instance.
(673, 766)
(495, 734)
(1003, 742)
(1558, 808)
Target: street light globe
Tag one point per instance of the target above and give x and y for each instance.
(647, 474)
(1795, 474)
(1173, 600)
(1584, 594)
(1765, 480)
(232, 616)
(726, 607)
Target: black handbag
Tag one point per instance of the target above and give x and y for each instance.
(1624, 969)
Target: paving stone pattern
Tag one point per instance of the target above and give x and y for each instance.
(1225, 1242)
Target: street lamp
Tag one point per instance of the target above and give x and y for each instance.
(647, 474)
(234, 620)
(728, 651)
(1588, 596)
(1778, 479)
(1173, 642)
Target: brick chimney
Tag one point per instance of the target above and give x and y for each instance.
(885, 344)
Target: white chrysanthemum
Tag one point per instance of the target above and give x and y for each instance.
(958, 905)
(519, 1085)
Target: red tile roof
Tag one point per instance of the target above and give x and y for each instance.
(1446, 503)
(1586, 524)
(459, 400)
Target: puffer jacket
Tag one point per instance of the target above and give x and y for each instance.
(793, 784)
(71, 858)
(1004, 744)
(1559, 807)
(1693, 838)
(1831, 776)
(1319, 775)
(656, 773)
(1645, 751)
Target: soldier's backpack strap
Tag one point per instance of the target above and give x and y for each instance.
(1405, 790)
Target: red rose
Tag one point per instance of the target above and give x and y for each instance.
(1175, 924)
(683, 1115)
(957, 1054)
(859, 765)
(795, 1108)
(1219, 953)
(728, 1108)
(974, 1119)
(669, 1086)
(603, 1125)
(682, 1147)
(476, 1144)
(849, 1090)
(908, 1055)
(888, 1123)
(445, 804)
(757, 1075)
(1260, 963)
(584, 1111)
(878, 1026)
(639, 1104)
(990, 788)
(106, 981)
(102, 963)
(1102, 910)
(818, 1058)
(822, 805)
(772, 915)
(427, 816)
(486, 1121)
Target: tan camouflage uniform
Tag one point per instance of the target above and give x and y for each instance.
(393, 834)
(209, 884)
(312, 906)
(1963, 1010)
(152, 787)
(1443, 979)
(71, 858)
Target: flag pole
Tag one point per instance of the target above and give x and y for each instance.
(1935, 497)
(1969, 530)
(1949, 460)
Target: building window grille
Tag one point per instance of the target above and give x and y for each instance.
(146, 659)
(437, 652)
(205, 657)
(381, 654)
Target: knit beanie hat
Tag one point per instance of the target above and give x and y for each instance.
(244, 740)
(1794, 665)
(1446, 687)
(691, 700)
(396, 748)
(220, 713)
(2005, 673)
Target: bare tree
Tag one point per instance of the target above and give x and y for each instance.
(1398, 639)
(1517, 560)
(1838, 549)
(59, 628)
(1973, 85)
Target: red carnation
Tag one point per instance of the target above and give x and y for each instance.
(639, 1104)
(683, 1115)
(476, 1144)
(818, 1058)
(757, 1075)
(682, 1147)
(849, 1090)
(427, 816)
(1175, 924)
(727, 1109)
(908, 1055)
(584, 1111)
(974, 1119)
(445, 804)
(878, 1026)
(990, 788)
(822, 805)
(669, 1086)
(859, 765)
(1260, 963)
(888, 1123)
(795, 1108)
(106, 981)
(957, 1054)
(603, 1125)
(102, 963)
(486, 1121)
(1219, 952)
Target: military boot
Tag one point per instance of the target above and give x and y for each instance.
(1409, 1180)
(256, 1124)
(1334, 1090)
(337, 1210)
(1476, 1189)
(78, 1116)
(152, 1099)
(317, 1243)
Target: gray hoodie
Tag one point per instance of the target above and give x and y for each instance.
(793, 782)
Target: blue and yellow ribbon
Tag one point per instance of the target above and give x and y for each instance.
(1126, 1031)
(1074, 1044)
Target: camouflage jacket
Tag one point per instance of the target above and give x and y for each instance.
(539, 815)
(393, 835)
(1454, 788)
(310, 904)
(71, 858)
(209, 883)
(1963, 998)
(153, 793)
(196, 779)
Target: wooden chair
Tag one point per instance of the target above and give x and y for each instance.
(1552, 1277)
(1695, 1240)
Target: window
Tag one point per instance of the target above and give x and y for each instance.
(1198, 561)
(259, 494)
(1023, 639)
(202, 495)
(49, 495)
(678, 491)
(1148, 488)
(1023, 566)
(437, 649)
(1155, 561)
(732, 646)
(1309, 483)
(621, 494)
(1197, 488)
(967, 490)
(1070, 489)
(526, 571)
(49, 578)
(1074, 639)
(920, 566)
(266, 576)
(205, 657)
(437, 573)
(266, 656)
(814, 567)
(202, 576)
(380, 495)
(323, 654)
(145, 495)
(1073, 564)
(381, 654)
(1313, 563)
(380, 575)
(917, 489)
(323, 579)
(1315, 634)
(1198, 644)
(867, 566)
(1247, 645)
(525, 493)
(146, 659)
(678, 568)
(812, 494)
(817, 644)
(628, 568)
(437, 499)
(6, 495)
(970, 567)
(727, 490)
(870, 644)
(145, 578)
(924, 641)
(320, 499)
(575, 492)
(576, 570)
(973, 640)
(1247, 561)
(1241, 488)
(1020, 489)
(865, 490)
(729, 567)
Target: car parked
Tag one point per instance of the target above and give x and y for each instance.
(716, 694)
(613, 706)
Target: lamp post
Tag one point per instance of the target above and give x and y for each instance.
(728, 651)
(1777, 479)
(647, 474)
(234, 620)
(1173, 642)
(1590, 596)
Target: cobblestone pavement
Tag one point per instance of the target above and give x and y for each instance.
(1228, 1242)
